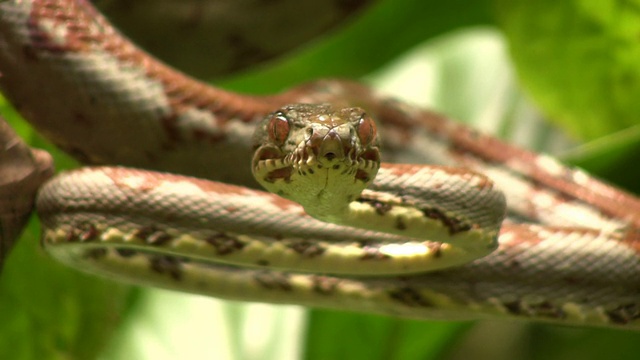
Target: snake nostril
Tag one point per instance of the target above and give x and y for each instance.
(330, 156)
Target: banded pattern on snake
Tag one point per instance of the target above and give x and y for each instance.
(579, 267)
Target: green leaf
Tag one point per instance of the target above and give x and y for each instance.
(558, 343)
(611, 156)
(578, 59)
(338, 335)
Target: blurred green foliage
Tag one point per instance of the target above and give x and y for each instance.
(578, 59)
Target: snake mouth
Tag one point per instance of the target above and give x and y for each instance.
(271, 164)
(336, 152)
(368, 165)
(265, 153)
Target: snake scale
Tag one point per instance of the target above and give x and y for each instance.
(430, 242)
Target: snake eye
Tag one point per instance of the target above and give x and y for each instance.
(366, 130)
(278, 128)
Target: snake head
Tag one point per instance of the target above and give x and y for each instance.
(308, 152)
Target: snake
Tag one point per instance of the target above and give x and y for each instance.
(171, 198)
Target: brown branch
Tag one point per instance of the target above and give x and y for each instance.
(22, 171)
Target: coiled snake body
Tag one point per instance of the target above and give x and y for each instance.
(423, 231)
